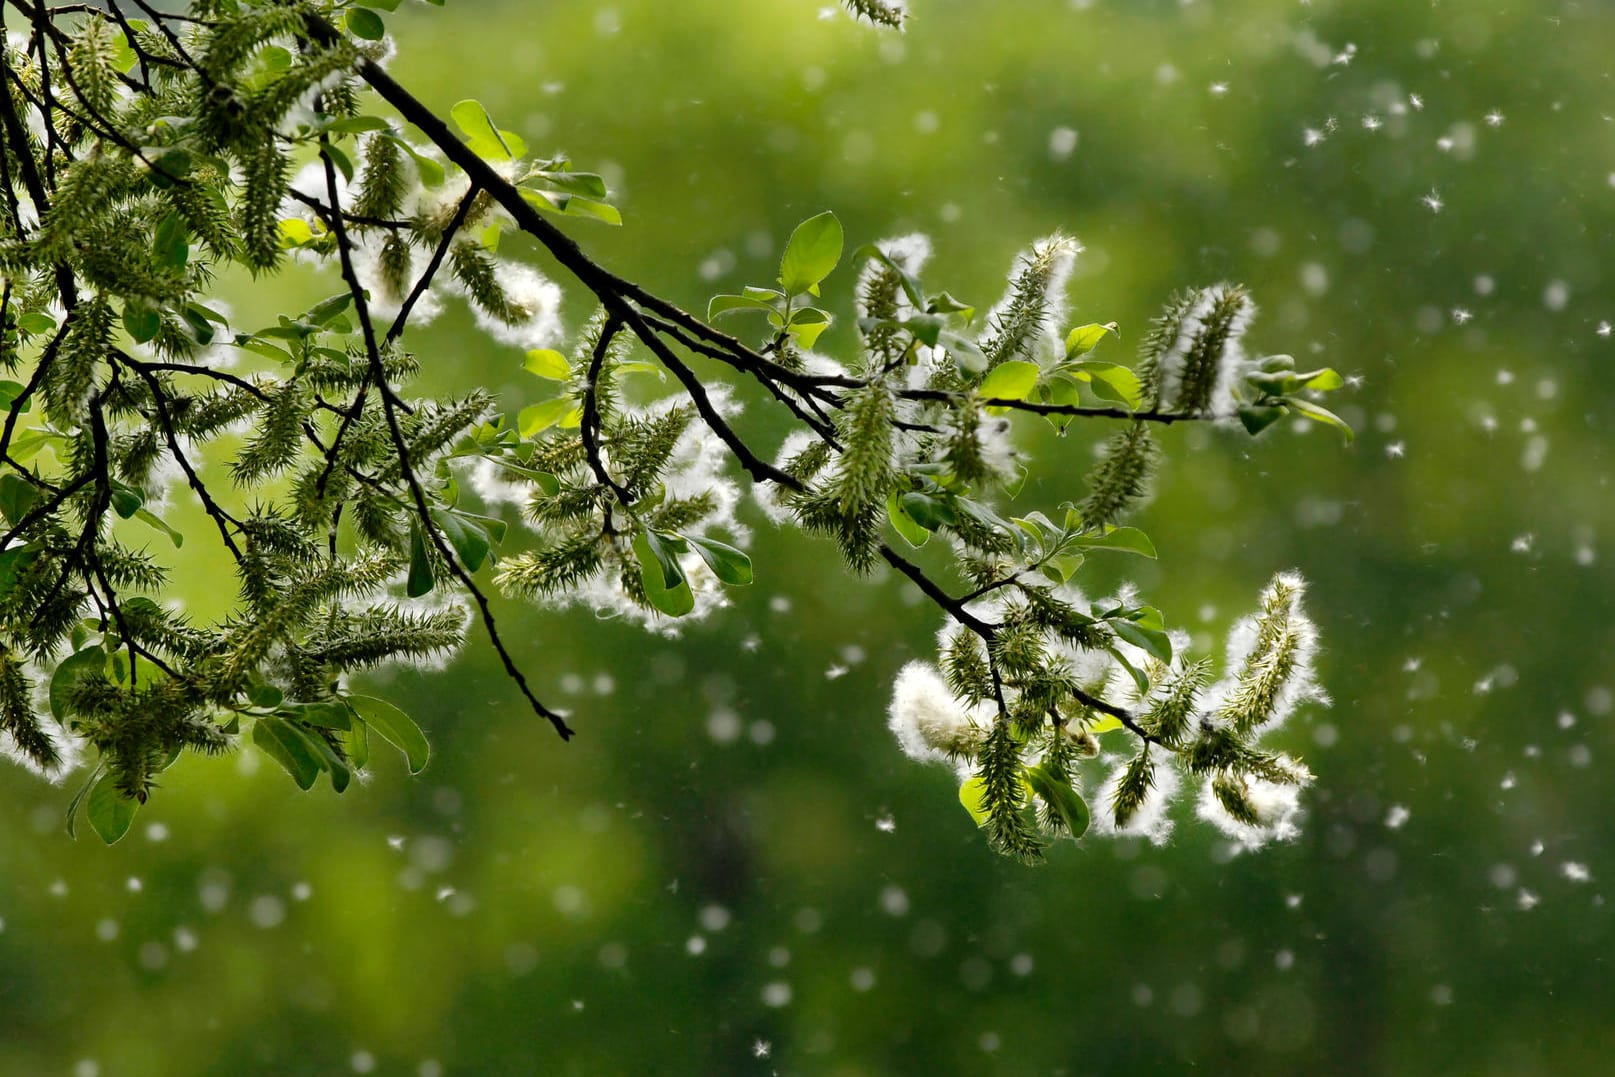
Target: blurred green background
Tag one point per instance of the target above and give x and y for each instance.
(732, 870)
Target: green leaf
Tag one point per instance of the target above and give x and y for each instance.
(546, 482)
(1321, 415)
(471, 543)
(9, 392)
(727, 563)
(973, 795)
(588, 207)
(17, 497)
(1112, 381)
(35, 323)
(395, 727)
(141, 322)
(71, 821)
(1258, 418)
(420, 579)
(540, 417)
(587, 184)
(339, 158)
(91, 662)
(728, 304)
(171, 243)
(1013, 380)
(126, 500)
(356, 742)
(430, 171)
(109, 811)
(929, 512)
(904, 524)
(265, 695)
(812, 252)
(965, 352)
(151, 519)
(1153, 641)
(1059, 795)
(363, 22)
(1084, 338)
(485, 140)
(324, 715)
(1142, 682)
(547, 363)
(283, 743)
(675, 600)
(1120, 539)
(665, 554)
(13, 563)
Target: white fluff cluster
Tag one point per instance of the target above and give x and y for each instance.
(929, 724)
(770, 498)
(1234, 364)
(696, 466)
(1049, 345)
(1151, 820)
(1278, 811)
(1301, 685)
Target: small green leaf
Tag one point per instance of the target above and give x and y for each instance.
(17, 497)
(126, 500)
(586, 184)
(973, 795)
(471, 543)
(141, 322)
(1255, 419)
(420, 579)
(109, 811)
(356, 742)
(1139, 680)
(395, 727)
(151, 519)
(71, 821)
(1152, 641)
(1321, 415)
(547, 363)
(324, 715)
(338, 158)
(727, 563)
(265, 695)
(9, 392)
(35, 323)
(728, 304)
(289, 747)
(904, 524)
(965, 352)
(1112, 381)
(363, 22)
(91, 662)
(909, 282)
(676, 599)
(812, 252)
(485, 140)
(13, 563)
(540, 417)
(588, 207)
(171, 243)
(1059, 795)
(1084, 338)
(929, 512)
(1120, 539)
(546, 482)
(1013, 380)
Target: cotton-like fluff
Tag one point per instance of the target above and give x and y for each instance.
(696, 466)
(1151, 820)
(771, 499)
(1296, 654)
(536, 295)
(1277, 808)
(1026, 322)
(910, 252)
(929, 724)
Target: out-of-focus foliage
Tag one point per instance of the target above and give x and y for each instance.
(736, 860)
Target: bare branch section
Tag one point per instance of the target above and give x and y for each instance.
(142, 152)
